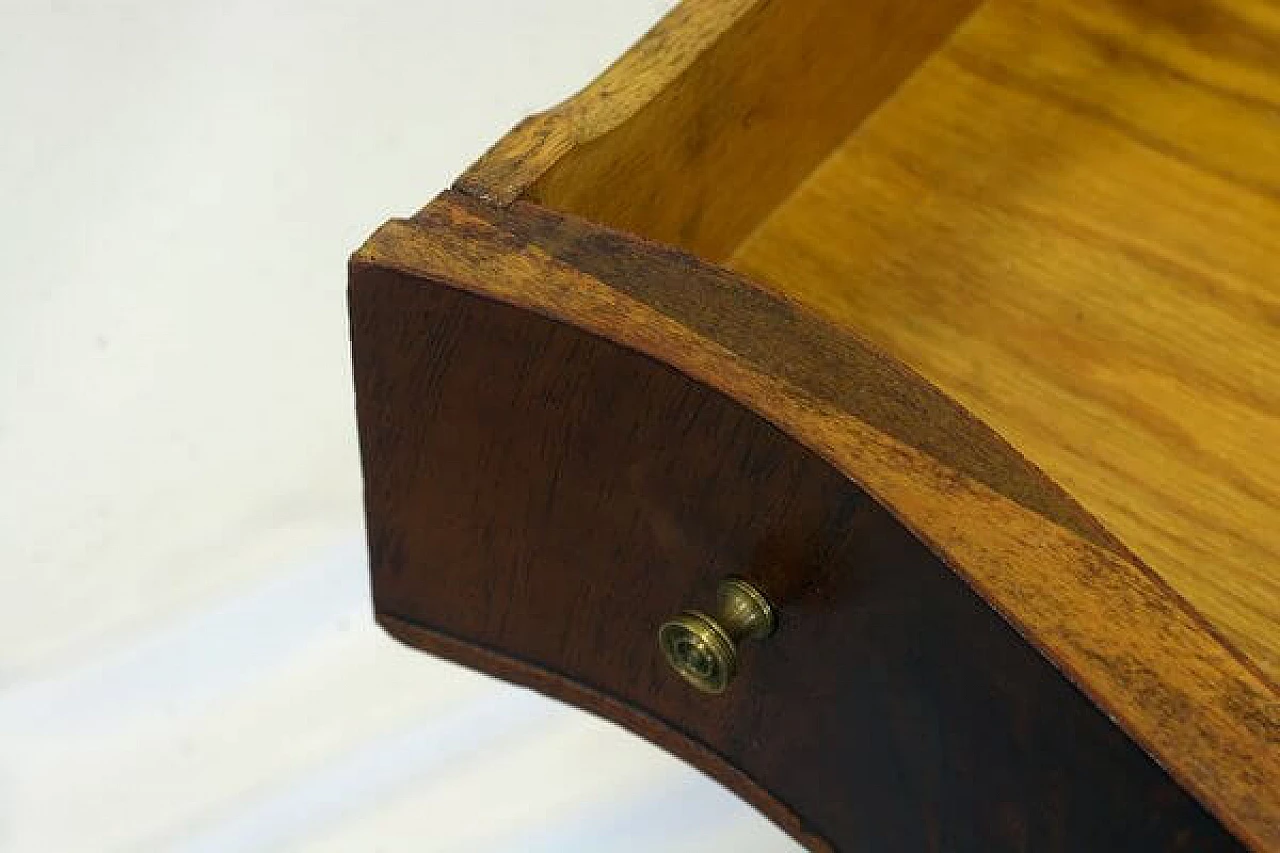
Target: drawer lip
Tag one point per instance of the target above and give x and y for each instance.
(664, 53)
(565, 688)
(1093, 611)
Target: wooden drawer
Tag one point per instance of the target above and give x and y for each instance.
(541, 500)
(928, 321)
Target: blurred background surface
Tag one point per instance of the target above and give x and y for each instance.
(187, 656)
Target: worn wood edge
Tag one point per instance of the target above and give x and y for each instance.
(644, 269)
(564, 687)
(664, 53)
(1107, 621)
(784, 338)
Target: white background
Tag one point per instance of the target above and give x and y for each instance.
(187, 659)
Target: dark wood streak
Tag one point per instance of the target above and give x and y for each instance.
(1219, 28)
(1000, 75)
(1124, 53)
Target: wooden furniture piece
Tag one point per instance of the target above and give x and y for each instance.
(952, 330)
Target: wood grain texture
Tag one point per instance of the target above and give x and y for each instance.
(1069, 220)
(1110, 624)
(817, 358)
(681, 139)
(540, 499)
(648, 68)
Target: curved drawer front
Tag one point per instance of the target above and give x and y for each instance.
(541, 500)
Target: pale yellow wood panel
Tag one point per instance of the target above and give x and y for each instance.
(1070, 220)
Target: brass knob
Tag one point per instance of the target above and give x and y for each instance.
(703, 649)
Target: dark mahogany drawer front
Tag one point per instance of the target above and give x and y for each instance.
(550, 497)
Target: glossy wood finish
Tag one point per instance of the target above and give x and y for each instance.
(1069, 220)
(550, 497)
(1098, 613)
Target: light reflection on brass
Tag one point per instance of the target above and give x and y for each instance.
(703, 648)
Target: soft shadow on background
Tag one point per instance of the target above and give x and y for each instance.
(187, 657)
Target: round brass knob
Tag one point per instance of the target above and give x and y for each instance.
(704, 649)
